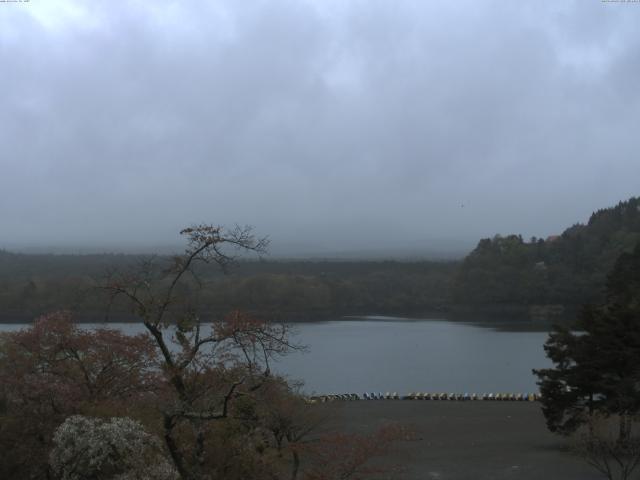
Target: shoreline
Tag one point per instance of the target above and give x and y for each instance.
(450, 315)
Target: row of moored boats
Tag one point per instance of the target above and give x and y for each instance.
(500, 397)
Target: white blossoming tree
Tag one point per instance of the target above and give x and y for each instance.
(118, 449)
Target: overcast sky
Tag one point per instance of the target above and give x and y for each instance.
(329, 125)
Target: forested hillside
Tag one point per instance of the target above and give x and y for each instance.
(569, 269)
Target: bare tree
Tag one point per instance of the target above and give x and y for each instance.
(602, 447)
(206, 366)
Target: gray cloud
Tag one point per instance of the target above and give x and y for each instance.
(328, 125)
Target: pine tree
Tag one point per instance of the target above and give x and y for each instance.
(597, 362)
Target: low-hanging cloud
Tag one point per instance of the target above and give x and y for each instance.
(327, 124)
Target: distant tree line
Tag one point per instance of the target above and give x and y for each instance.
(34, 284)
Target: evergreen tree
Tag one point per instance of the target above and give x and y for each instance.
(597, 363)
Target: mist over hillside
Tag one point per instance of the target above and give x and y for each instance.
(427, 249)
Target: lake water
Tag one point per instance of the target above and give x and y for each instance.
(380, 354)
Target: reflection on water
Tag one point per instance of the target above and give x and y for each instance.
(402, 355)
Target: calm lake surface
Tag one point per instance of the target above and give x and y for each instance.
(380, 354)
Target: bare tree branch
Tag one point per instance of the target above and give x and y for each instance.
(233, 358)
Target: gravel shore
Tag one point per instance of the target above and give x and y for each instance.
(470, 440)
